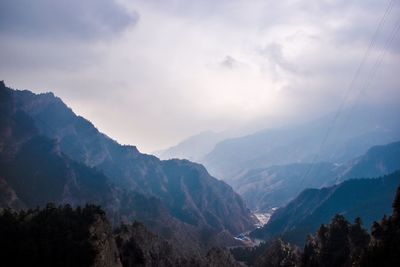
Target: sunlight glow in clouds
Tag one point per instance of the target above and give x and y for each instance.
(150, 73)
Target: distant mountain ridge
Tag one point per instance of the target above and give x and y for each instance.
(275, 186)
(350, 136)
(194, 148)
(138, 186)
(378, 160)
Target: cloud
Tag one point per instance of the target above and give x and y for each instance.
(43, 35)
(189, 66)
(274, 54)
(230, 62)
(89, 19)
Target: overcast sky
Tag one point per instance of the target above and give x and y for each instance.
(152, 72)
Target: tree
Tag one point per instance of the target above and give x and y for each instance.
(279, 254)
(384, 249)
(359, 240)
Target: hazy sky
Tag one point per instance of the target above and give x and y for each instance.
(152, 72)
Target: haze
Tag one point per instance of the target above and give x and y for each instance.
(150, 73)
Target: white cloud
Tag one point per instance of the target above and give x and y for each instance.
(160, 78)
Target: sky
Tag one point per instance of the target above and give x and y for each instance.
(153, 72)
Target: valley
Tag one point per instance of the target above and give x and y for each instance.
(55, 160)
(262, 220)
(199, 133)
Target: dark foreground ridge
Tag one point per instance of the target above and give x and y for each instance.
(63, 236)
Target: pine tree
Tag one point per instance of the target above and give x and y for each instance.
(384, 249)
(359, 241)
(396, 207)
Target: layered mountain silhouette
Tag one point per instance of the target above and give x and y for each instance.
(368, 199)
(48, 153)
(266, 188)
(332, 138)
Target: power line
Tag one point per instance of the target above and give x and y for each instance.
(373, 71)
(376, 66)
(349, 88)
(380, 59)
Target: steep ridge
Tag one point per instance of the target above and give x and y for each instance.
(166, 195)
(366, 198)
(33, 172)
(263, 189)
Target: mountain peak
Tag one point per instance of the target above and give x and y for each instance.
(183, 192)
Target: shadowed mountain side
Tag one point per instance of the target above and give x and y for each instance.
(33, 172)
(83, 165)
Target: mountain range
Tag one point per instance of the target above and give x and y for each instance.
(267, 188)
(334, 138)
(66, 159)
